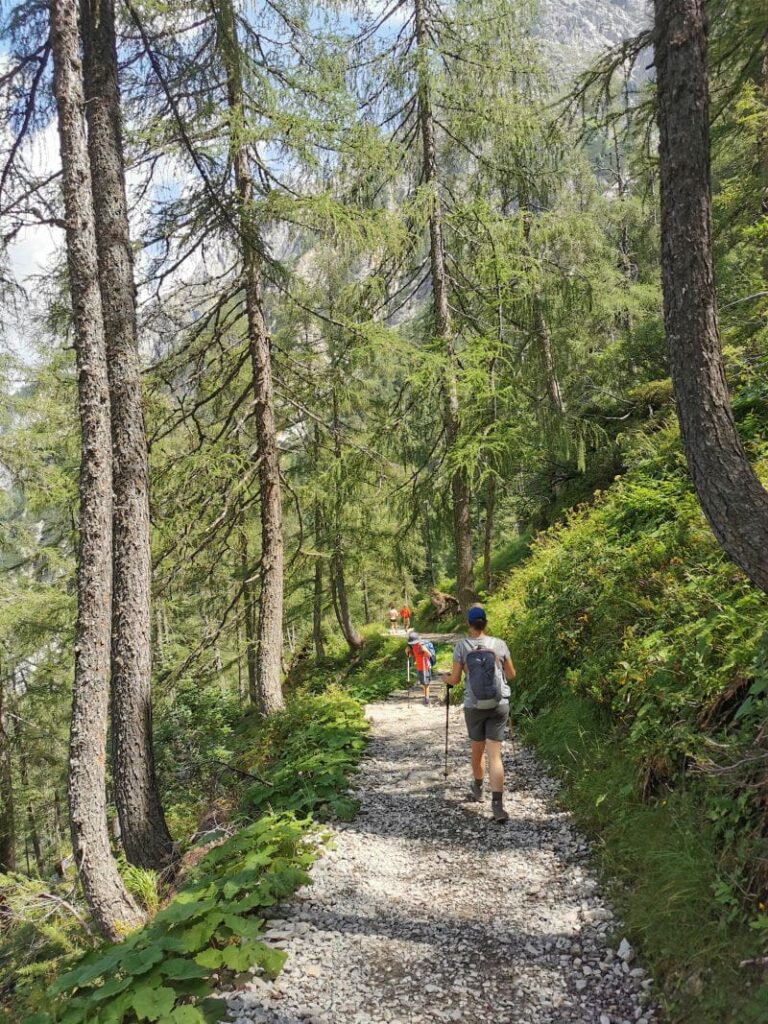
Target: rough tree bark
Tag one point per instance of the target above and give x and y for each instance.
(317, 601)
(732, 497)
(490, 508)
(33, 836)
(338, 580)
(7, 814)
(269, 693)
(541, 330)
(110, 904)
(460, 490)
(145, 836)
(249, 615)
(764, 147)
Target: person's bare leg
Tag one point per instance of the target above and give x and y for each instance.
(478, 768)
(496, 771)
(495, 766)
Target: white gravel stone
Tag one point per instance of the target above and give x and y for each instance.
(425, 911)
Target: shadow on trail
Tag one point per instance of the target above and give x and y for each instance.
(450, 822)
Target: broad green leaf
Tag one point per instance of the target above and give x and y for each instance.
(211, 958)
(180, 969)
(183, 1015)
(152, 1003)
(141, 960)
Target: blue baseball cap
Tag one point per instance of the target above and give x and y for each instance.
(476, 614)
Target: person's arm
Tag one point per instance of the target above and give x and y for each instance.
(509, 669)
(454, 676)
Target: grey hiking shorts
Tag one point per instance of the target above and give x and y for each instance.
(487, 724)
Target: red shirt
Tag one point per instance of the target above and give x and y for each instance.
(420, 656)
(405, 613)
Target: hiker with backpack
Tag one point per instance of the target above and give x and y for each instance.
(487, 666)
(423, 654)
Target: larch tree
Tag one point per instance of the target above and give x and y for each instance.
(268, 694)
(112, 907)
(7, 816)
(732, 497)
(145, 835)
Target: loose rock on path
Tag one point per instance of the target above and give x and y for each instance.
(426, 911)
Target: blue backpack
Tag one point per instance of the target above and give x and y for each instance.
(429, 647)
(482, 679)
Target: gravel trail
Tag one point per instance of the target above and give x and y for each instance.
(426, 911)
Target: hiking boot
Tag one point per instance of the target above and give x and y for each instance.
(476, 791)
(426, 702)
(497, 809)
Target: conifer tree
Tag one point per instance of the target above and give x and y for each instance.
(110, 904)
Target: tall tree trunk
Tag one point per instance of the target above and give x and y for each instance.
(338, 581)
(317, 601)
(541, 330)
(7, 815)
(764, 147)
(544, 338)
(733, 500)
(366, 605)
(146, 839)
(110, 904)
(269, 693)
(249, 615)
(32, 834)
(341, 602)
(460, 492)
(428, 552)
(490, 508)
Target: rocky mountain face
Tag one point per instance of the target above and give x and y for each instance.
(575, 30)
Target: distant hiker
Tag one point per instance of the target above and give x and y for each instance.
(487, 667)
(394, 615)
(423, 654)
(405, 615)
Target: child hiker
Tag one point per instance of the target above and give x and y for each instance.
(422, 653)
(487, 667)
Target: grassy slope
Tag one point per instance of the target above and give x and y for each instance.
(641, 654)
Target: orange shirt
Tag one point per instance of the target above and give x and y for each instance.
(420, 656)
(405, 613)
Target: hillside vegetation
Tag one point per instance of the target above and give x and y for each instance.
(643, 673)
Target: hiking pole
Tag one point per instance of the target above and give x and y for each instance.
(447, 717)
(408, 669)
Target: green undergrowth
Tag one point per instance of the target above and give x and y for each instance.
(661, 860)
(643, 674)
(297, 768)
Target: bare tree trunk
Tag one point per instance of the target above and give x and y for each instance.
(764, 148)
(7, 813)
(32, 833)
(341, 603)
(110, 904)
(146, 839)
(544, 337)
(490, 508)
(366, 606)
(269, 693)
(460, 492)
(317, 603)
(730, 493)
(541, 330)
(338, 581)
(249, 614)
(429, 554)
